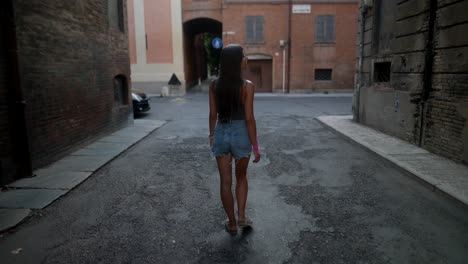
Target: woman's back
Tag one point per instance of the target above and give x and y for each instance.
(236, 110)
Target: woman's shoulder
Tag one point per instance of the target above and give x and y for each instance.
(213, 83)
(248, 84)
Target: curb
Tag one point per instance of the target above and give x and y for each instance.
(416, 175)
(20, 220)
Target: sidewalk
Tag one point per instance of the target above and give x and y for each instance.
(286, 95)
(56, 180)
(442, 174)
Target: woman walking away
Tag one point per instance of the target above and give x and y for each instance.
(233, 132)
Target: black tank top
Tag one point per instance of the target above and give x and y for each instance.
(237, 114)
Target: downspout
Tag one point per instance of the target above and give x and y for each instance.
(289, 47)
(362, 23)
(16, 104)
(428, 64)
(284, 69)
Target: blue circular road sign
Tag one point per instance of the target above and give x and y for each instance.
(217, 43)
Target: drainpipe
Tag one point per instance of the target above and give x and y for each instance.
(16, 102)
(289, 46)
(284, 68)
(362, 23)
(428, 63)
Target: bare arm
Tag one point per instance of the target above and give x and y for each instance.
(250, 118)
(213, 111)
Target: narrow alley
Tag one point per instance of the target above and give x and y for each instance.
(314, 198)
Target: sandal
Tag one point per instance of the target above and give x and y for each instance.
(231, 231)
(245, 223)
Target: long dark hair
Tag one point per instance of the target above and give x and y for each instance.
(230, 81)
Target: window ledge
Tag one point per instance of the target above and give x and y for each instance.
(254, 43)
(325, 43)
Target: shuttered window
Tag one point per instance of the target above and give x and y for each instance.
(325, 28)
(254, 29)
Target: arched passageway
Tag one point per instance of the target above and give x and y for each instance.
(198, 52)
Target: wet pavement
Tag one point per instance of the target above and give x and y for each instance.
(314, 198)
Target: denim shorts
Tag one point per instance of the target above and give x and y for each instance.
(231, 138)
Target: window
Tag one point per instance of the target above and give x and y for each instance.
(382, 71)
(115, 14)
(120, 90)
(325, 28)
(254, 29)
(323, 74)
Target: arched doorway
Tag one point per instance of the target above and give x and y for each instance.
(199, 57)
(260, 71)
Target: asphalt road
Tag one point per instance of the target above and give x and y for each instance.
(314, 198)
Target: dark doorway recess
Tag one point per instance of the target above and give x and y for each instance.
(198, 54)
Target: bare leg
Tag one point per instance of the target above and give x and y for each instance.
(225, 173)
(242, 186)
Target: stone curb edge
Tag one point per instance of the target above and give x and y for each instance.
(33, 211)
(415, 174)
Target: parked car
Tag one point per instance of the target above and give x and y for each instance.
(140, 102)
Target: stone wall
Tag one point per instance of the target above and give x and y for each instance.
(446, 128)
(7, 164)
(424, 99)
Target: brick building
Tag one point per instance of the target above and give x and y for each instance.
(321, 54)
(413, 79)
(64, 70)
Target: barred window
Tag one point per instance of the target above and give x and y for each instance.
(254, 29)
(325, 28)
(382, 71)
(115, 14)
(323, 74)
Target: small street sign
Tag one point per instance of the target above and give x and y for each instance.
(301, 9)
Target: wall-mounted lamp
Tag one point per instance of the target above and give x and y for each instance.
(283, 43)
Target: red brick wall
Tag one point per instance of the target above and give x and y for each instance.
(69, 55)
(306, 54)
(201, 9)
(275, 29)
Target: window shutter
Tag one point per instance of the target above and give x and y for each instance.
(319, 29)
(325, 28)
(259, 30)
(330, 29)
(254, 29)
(249, 28)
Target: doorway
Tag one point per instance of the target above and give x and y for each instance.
(260, 72)
(200, 58)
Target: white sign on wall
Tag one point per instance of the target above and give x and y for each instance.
(301, 9)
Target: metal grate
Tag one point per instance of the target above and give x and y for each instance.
(382, 71)
(323, 74)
